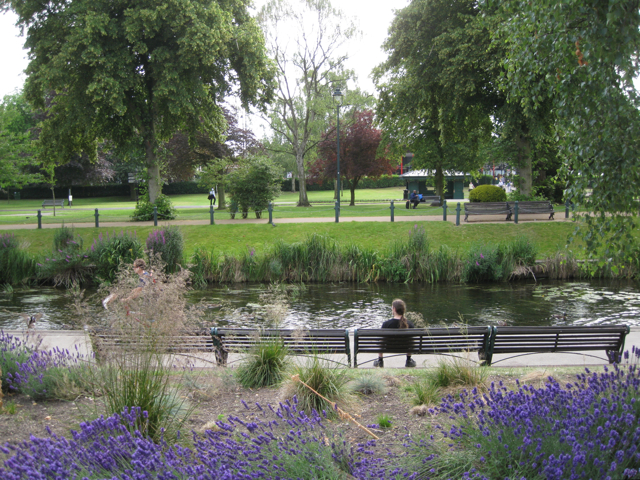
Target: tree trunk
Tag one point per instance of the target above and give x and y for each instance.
(303, 200)
(524, 165)
(53, 193)
(153, 172)
(439, 182)
(293, 183)
(353, 194)
(222, 202)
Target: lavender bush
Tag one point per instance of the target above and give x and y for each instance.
(276, 444)
(41, 374)
(589, 429)
(169, 244)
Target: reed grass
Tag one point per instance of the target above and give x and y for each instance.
(265, 365)
(16, 264)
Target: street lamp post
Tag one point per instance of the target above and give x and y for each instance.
(338, 97)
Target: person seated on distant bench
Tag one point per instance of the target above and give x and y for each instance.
(414, 198)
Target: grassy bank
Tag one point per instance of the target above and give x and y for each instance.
(238, 239)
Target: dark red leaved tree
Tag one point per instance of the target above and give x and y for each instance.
(359, 144)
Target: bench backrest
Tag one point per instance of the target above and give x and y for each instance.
(558, 339)
(541, 205)
(52, 202)
(421, 340)
(487, 208)
(297, 341)
(105, 342)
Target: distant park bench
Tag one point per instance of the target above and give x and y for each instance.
(532, 340)
(422, 341)
(536, 207)
(297, 342)
(433, 199)
(52, 203)
(487, 208)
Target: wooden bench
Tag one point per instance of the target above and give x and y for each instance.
(518, 341)
(537, 207)
(52, 203)
(434, 199)
(106, 342)
(422, 341)
(487, 208)
(297, 342)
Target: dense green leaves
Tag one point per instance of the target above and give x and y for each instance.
(583, 54)
(255, 183)
(130, 71)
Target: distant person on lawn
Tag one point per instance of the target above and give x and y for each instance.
(398, 308)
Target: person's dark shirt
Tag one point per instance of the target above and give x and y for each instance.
(413, 196)
(395, 323)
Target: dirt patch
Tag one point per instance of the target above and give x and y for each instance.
(215, 393)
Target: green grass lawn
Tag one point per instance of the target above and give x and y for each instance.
(549, 237)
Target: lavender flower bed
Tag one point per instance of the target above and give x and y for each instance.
(30, 370)
(277, 444)
(589, 429)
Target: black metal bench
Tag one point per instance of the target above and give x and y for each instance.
(487, 208)
(422, 341)
(106, 342)
(535, 207)
(519, 341)
(51, 203)
(434, 199)
(297, 342)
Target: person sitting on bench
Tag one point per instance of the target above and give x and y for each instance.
(398, 307)
(414, 198)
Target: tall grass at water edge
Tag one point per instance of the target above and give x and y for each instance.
(16, 265)
(265, 364)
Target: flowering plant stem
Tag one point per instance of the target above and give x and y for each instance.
(342, 413)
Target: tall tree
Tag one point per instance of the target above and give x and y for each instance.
(439, 87)
(361, 154)
(583, 55)
(17, 161)
(127, 70)
(307, 71)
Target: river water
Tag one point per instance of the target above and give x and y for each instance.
(348, 305)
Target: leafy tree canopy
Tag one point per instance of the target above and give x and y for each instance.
(583, 55)
(125, 70)
(256, 182)
(361, 153)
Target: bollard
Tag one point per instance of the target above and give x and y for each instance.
(39, 219)
(515, 216)
(566, 209)
(337, 207)
(211, 221)
(155, 216)
(458, 215)
(392, 214)
(444, 210)
(97, 221)
(270, 208)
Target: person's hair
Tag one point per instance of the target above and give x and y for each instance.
(139, 263)
(400, 307)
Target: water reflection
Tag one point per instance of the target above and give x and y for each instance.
(348, 306)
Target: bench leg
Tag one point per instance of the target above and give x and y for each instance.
(221, 357)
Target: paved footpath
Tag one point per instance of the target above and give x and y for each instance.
(409, 218)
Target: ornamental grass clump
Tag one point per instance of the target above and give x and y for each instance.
(587, 429)
(265, 365)
(282, 442)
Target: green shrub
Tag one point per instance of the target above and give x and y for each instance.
(108, 252)
(487, 193)
(518, 252)
(16, 265)
(327, 379)
(169, 244)
(482, 265)
(66, 269)
(144, 209)
(202, 266)
(265, 365)
(63, 240)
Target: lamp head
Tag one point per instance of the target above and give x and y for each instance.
(338, 96)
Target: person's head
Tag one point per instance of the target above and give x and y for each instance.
(139, 264)
(399, 308)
